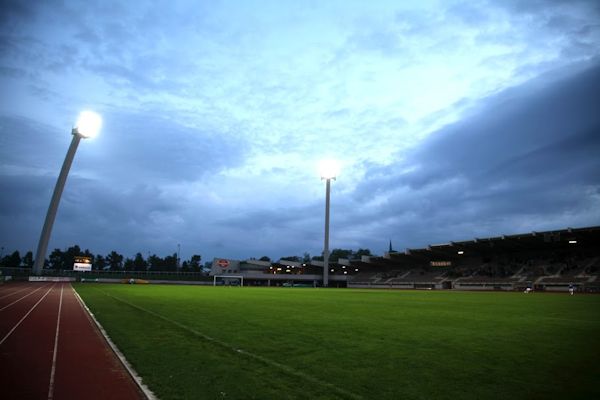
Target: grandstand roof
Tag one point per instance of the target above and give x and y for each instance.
(534, 241)
(559, 240)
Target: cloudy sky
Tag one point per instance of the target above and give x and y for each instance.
(451, 120)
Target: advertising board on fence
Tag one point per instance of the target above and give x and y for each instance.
(82, 263)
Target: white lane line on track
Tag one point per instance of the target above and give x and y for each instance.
(15, 292)
(51, 387)
(16, 301)
(25, 316)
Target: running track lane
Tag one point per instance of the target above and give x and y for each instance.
(45, 354)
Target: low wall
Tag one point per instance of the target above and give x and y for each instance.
(51, 279)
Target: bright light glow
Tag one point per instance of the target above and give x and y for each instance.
(88, 124)
(461, 252)
(329, 169)
(572, 241)
(356, 269)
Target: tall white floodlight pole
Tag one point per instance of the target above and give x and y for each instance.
(87, 126)
(329, 170)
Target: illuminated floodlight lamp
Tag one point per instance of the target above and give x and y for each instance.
(88, 125)
(461, 252)
(572, 241)
(329, 169)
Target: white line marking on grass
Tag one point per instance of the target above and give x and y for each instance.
(274, 364)
(25, 316)
(134, 375)
(52, 372)
(16, 301)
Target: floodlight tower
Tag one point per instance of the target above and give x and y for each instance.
(329, 170)
(87, 126)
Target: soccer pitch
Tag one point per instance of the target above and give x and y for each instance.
(191, 342)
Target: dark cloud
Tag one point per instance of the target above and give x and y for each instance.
(527, 154)
(14, 12)
(535, 6)
(22, 194)
(515, 125)
(27, 143)
(291, 231)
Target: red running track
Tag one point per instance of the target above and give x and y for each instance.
(50, 348)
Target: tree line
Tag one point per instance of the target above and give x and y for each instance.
(113, 261)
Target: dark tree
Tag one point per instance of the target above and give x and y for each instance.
(115, 261)
(99, 263)
(336, 254)
(139, 264)
(128, 264)
(28, 260)
(155, 262)
(12, 261)
(69, 256)
(185, 266)
(56, 259)
(194, 263)
(362, 252)
(170, 263)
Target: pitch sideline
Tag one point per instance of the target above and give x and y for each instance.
(282, 367)
(135, 376)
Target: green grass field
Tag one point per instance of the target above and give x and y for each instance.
(266, 343)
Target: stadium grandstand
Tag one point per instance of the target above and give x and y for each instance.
(544, 261)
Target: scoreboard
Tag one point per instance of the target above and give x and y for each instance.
(82, 263)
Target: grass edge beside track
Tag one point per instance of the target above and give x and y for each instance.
(266, 361)
(132, 372)
(148, 313)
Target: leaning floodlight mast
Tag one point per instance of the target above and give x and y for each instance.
(329, 170)
(88, 125)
